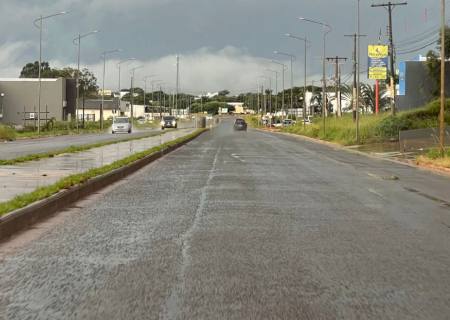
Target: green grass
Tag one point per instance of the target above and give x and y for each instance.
(253, 121)
(7, 133)
(58, 128)
(433, 158)
(71, 149)
(373, 128)
(41, 193)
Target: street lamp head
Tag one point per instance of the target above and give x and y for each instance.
(275, 52)
(288, 35)
(2, 94)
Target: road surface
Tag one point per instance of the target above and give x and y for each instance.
(240, 225)
(23, 147)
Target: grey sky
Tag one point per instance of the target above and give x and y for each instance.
(222, 43)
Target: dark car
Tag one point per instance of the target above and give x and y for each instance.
(169, 122)
(240, 125)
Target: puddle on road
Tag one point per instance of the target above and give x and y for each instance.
(26, 177)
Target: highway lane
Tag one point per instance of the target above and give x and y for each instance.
(18, 148)
(239, 225)
(23, 147)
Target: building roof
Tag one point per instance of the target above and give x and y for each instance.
(96, 103)
(28, 79)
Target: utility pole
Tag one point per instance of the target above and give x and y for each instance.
(442, 111)
(336, 61)
(356, 90)
(177, 84)
(390, 6)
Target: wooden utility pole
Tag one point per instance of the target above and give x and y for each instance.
(336, 60)
(390, 6)
(442, 112)
(355, 72)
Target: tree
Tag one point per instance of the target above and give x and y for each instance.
(366, 96)
(447, 42)
(88, 81)
(224, 93)
(434, 62)
(31, 70)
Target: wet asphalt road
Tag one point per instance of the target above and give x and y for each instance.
(18, 148)
(242, 225)
(23, 147)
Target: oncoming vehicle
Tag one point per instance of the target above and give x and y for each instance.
(121, 125)
(169, 122)
(240, 125)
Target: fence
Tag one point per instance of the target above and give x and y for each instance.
(411, 140)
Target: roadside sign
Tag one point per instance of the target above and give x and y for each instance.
(378, 61)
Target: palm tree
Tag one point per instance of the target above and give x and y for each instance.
(366, 97)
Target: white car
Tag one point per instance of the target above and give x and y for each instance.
(121, 125)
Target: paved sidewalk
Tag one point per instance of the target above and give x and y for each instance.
(26, 177)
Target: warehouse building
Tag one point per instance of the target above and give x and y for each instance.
(19, 100)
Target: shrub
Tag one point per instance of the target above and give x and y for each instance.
(7, 133)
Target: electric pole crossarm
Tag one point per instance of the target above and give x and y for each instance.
(390, 6)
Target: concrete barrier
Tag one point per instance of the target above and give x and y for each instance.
(23, 218)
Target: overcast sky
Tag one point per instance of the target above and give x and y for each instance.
(223, 44)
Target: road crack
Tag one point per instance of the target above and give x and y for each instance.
(174, 303)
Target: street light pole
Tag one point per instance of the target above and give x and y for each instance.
(77, 42)
(145, 85)
(292, 57)
(2, 95)
(132, 93)
(276, 87)
(283, 66)
(118, 66)
(442, 110)
(103, 85)
(39, 26)
(326, 29)
(306, 41)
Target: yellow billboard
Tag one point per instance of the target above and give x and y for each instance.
(378, 51)
(378, 61)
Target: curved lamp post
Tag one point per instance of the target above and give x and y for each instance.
(104, 54)
(38, 24)
(326, 30)
(306, 41)
(77, 42)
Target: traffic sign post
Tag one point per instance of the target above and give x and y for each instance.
(378, 62)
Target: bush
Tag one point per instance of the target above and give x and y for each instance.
(7, 133)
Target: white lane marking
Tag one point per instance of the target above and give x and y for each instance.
(376, 193)
(237, 157)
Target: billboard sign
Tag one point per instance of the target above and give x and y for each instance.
(378, 61)
(401, 78)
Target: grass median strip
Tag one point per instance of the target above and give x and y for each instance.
(433, 158)
(71, 149)
(41, 193)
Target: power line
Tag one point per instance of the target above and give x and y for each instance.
(390, 6)
(417, 49)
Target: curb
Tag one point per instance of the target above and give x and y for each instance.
(337, 146)
(23, 218)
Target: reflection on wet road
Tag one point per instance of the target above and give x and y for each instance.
(28, 176)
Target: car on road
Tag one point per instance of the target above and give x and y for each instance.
(240, 125)
(121, 125)
(288, 122)
(169, 122)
